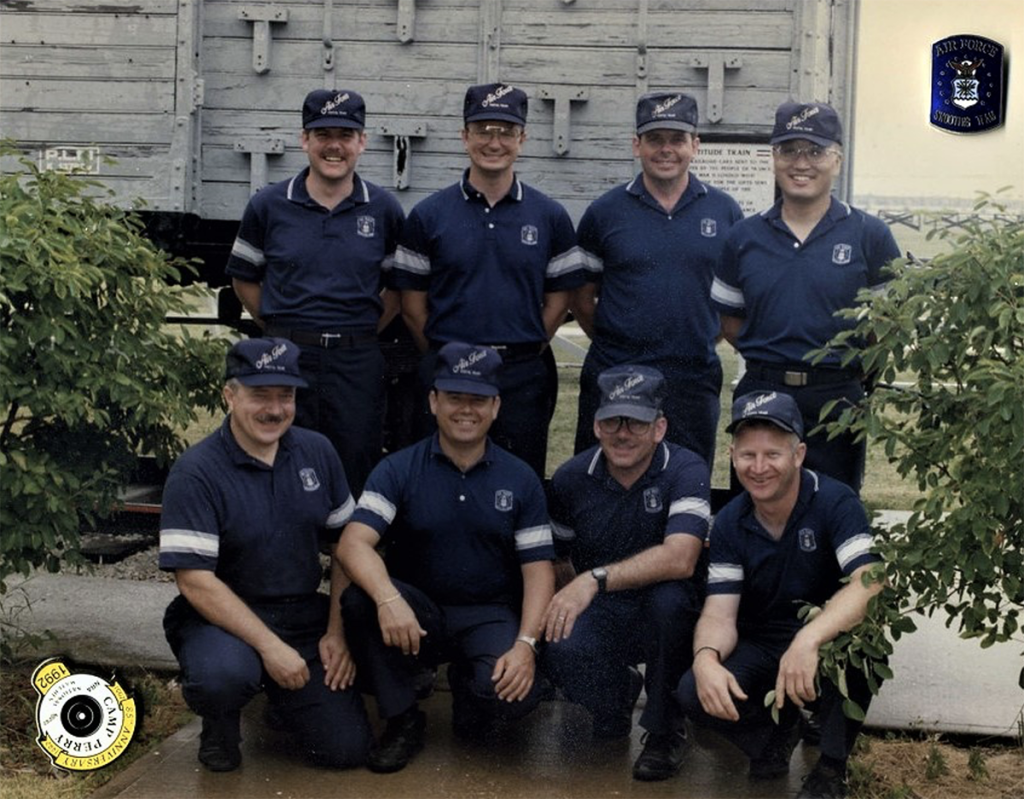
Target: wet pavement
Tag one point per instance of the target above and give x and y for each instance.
(549, 754)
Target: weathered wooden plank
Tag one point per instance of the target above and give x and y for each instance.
(120, 8)
(80, 61)
(136, 97)
(746, 29)
(414, 97)
(138, 172)
(452, 62)
(367, 23)
(595, 68)
(90, 128)
(89, 29)
(681, 7)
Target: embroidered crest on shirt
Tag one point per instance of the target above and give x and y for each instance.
(808, 543)
(310, 482)
(708, 228)
(365, 226)
(652, 500)
(503, 500)
(528, 235)
(841, 254)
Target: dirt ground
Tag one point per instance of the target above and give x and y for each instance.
(890, 767)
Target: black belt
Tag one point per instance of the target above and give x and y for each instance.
(327, 339)
(506, 351)
(800, 377)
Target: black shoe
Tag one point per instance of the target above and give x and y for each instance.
(218, 744)
(661, 758)
(774, 758)
(402, 738)
(810, 727)
(620, 724)
(824, 782)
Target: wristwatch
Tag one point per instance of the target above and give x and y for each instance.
(601, 575)
(530, 641)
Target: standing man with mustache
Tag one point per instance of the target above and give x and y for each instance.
(309, 263)
(650, 248)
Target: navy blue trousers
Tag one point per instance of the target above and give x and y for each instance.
(221, 673)
(469, 638)
(691, 404)
(756, 667)
(842, 457)
(653, 626)
(529, 391)
(345, 402)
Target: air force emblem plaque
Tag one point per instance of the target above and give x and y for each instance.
(967, 84)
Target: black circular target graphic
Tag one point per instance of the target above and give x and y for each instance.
(81, 716)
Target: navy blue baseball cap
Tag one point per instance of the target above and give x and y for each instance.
(264, 362)
(816, 122)
(768, 406)
(333, 108)
(632, 391)
(495, 101)
(467, 369)
(673, 110)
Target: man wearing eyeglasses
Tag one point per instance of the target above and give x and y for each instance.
(492, 260)
(629, 517)
(650, 247)
(785, 273)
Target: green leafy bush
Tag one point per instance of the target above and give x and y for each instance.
(90, 377)
(946, 345)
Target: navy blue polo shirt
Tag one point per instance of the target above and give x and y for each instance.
(826, 538)
(461, 538)
(789, 292)
(486, 270)
(596, 521)
(655, 270)
(259, 528)
(320, 269)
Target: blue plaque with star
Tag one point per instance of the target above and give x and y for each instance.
(967, 84)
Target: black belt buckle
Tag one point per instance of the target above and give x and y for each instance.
(792, 378)
(327, 338)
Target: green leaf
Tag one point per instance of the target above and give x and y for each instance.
(852, 710)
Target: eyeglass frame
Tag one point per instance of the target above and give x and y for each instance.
(506, 133)
(807, 152)
(629, 423)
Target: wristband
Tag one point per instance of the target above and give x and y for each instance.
(713, 649)
(389, 600)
